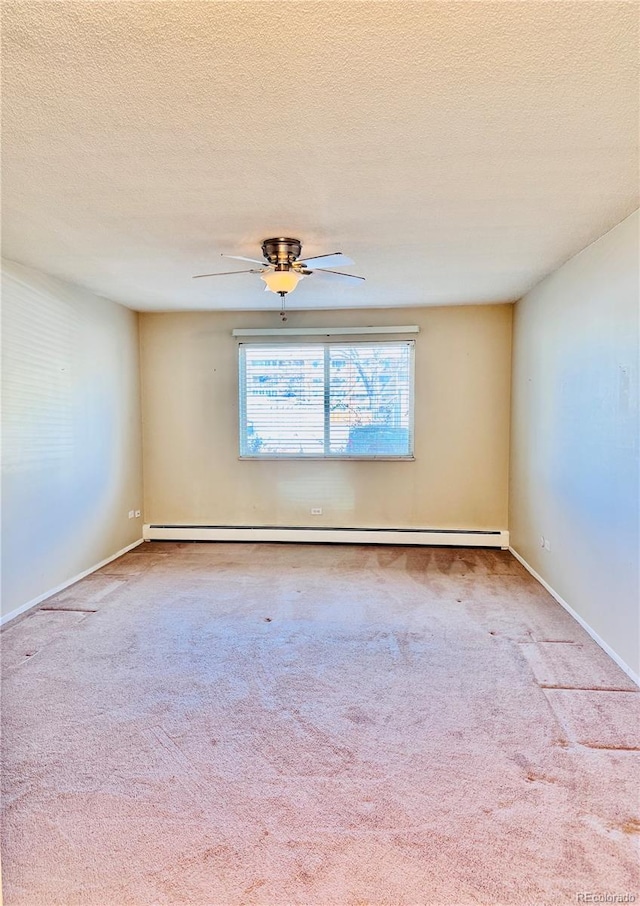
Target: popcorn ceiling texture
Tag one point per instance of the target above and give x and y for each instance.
(457, 151)
(308, 725)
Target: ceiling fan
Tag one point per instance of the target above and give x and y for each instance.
(282, 267)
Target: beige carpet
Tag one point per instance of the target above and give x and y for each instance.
(226, 725)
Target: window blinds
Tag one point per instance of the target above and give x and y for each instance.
(324, 400)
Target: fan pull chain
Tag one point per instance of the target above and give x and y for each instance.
(283, 316)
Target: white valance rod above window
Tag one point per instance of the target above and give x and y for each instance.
(319, 331)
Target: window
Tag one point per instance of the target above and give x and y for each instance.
(324, 400)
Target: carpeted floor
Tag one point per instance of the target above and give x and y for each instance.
(227, 725)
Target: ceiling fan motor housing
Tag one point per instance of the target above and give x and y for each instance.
(281, 252)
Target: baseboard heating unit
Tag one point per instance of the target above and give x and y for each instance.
(442, 537)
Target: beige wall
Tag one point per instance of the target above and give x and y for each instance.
(459, 478)
(71, 439)
(574, 441)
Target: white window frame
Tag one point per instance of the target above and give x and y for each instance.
(242, 419)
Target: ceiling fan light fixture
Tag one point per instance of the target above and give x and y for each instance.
(282, 268)
(281, 281)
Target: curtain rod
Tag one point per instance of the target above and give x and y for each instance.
(318, 331)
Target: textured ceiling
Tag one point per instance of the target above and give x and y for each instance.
(456, 151)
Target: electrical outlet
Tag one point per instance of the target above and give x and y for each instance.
(138, 513)
(547, 544)
(131, 514)
(316, 511)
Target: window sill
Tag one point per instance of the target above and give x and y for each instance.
(283, 458)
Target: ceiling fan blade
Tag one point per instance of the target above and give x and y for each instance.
(336, 275)
(242, 258)
(252, 270)
(335, 260)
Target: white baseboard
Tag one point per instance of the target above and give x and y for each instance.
(54, 591)
(576, 616)
(325, 535)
